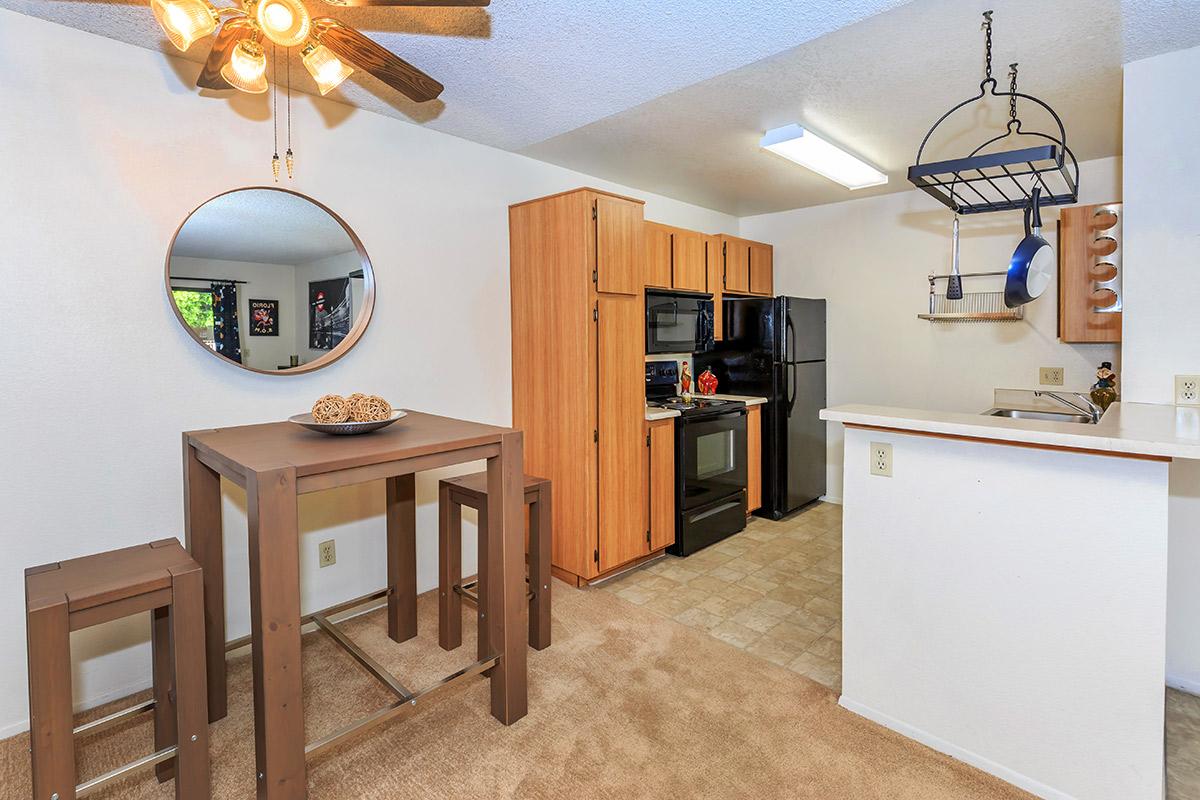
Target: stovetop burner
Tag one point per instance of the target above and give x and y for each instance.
(697, 402)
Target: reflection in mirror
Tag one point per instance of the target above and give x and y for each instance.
(270, 280)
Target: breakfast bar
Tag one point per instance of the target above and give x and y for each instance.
(275, 463)
(1004, 592)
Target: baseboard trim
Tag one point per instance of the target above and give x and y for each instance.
(17, 728)
(825, 498)
(1189, 684)
(966, 756)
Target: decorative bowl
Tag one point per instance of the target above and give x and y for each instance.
(345, 428)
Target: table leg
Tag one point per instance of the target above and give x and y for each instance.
(275, 629)
(449, 570)
(202, 527)
(402, 557)
(539, 570)
(483, 645)
(505, 585)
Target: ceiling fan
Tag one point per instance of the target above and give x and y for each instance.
(328, 48)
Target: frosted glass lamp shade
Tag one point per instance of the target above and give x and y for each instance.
(285, 22)
(326, 68)
(246, 69)
(184, 21)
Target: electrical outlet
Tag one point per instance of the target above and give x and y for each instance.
(1187, 390)
(1051, 376)
(881, 459)
(328, 553)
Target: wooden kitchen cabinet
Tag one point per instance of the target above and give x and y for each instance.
(715, 267)
(660, 484)
(689, 271)
(659, 244)
(761, 266)
(1089, 267)
(578, 370)
(753, 458)
(736, 253)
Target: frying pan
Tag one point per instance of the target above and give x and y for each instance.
(1033, 264)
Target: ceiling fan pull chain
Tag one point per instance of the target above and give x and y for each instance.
(275, 110)
(291, 159)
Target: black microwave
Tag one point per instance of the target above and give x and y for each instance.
(678, 322)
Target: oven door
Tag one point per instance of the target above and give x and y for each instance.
(712, 458)
(678, 323)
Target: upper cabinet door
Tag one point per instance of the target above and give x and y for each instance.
(658, 255)
(715, 266)
(761, 265)
(689, 262)
(618, 245)
(737, 265)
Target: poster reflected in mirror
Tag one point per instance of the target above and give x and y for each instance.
(329, 313)
(264, 317)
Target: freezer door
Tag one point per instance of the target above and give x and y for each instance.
(802, 329)
(800, 449)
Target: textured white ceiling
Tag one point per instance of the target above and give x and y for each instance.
(672, 97)
(876, 87)
(261, 226)
(522, 71)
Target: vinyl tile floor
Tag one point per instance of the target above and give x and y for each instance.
(775, 590)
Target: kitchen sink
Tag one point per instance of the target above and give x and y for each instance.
(1048, 416)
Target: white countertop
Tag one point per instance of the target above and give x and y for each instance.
(653, 414)
(1129, 428)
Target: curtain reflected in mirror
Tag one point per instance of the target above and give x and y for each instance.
(270, 280)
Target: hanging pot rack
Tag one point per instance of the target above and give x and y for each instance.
(982, 182)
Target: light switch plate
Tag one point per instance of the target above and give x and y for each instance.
(881, 459)
(1051, 376)
(1187, 390)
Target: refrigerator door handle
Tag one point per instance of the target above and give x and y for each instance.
(789, 354)
(791, 398)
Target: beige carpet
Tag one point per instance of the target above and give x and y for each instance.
(625, 704)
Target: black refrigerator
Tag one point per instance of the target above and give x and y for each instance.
(775, 348)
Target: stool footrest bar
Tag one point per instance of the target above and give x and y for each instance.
(115, 718)
(88, 787)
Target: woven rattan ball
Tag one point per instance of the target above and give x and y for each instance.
(370, 408)
(331, 408)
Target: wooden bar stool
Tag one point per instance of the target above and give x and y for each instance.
(66, 596)
(471, 490)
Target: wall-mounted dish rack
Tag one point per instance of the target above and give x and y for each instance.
(974, 306)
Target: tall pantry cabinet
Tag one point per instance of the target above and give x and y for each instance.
(578, 380)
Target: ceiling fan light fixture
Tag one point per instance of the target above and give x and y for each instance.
(246, 69)
(327, 69)
(285, 22)
(825, 158)
(184, 21)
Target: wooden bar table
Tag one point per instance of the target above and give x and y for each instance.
(278, 461)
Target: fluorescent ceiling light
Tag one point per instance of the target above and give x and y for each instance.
(824, 158)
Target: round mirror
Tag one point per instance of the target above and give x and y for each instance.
(270, 280)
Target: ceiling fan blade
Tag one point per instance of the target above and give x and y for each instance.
(227, 38)
(350, 45)
(418, 3)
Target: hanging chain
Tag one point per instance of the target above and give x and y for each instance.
(987, 46)
(275, 110)
(291, 157)
(1012, 92)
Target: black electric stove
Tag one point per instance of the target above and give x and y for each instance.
(710, 461)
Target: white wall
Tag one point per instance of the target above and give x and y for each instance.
(1162, 300)
(871, 258)
(104, 149)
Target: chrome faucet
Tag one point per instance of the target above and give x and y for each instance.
(1088, 409)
